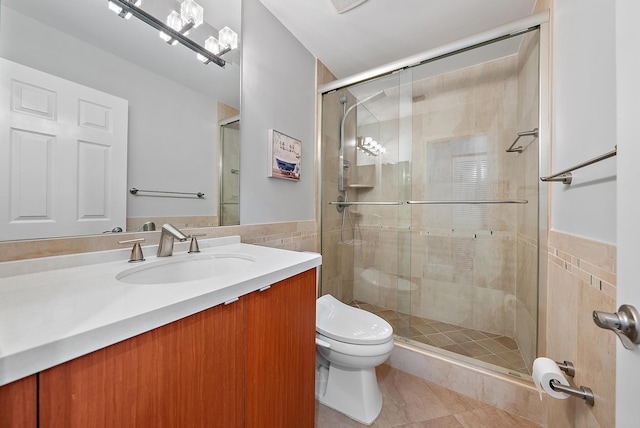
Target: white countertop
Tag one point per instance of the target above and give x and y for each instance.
(69, 306)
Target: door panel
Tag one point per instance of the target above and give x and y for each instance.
(63, 156)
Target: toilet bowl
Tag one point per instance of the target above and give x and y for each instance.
(350, 343)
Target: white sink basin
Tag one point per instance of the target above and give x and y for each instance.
(184, 269)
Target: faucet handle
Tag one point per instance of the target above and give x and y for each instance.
(194, 247)
(136, 252)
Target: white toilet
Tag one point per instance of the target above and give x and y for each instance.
(350, 343)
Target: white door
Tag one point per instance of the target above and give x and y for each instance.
(63, 156)
(628, 205)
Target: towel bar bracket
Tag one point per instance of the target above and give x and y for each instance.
(565, 178)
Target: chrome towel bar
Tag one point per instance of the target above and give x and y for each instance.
(565, 176)
(460, 202)
(135, 191)
(346, 204)
(519, 149)
(463, 202)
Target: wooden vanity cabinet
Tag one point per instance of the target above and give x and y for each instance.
(18, 403)
(250, 363)
(280, 377)
(189, 373)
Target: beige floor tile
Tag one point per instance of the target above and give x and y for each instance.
(507, 343)
(474, 349)
(444, 422)
(426, 329)
(457, 336)
(491, 417)
(474, 334)
(440, 340)
(492, 346)
(455, 402)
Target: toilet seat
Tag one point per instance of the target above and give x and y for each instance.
(356, 350)
(344, 323)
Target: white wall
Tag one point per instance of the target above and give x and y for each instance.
(172, 129)
(278, 92)
(584, 117)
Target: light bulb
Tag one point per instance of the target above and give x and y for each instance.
(228, 37)
(192, 11)
(174, 20)
(212, 45)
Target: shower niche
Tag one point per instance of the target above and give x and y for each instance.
(441, 237)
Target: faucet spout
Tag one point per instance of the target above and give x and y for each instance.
(168, 234)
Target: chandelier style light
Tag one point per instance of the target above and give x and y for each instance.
(177, 27)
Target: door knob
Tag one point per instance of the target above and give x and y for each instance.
(624, 324)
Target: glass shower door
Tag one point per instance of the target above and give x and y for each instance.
(437, 231)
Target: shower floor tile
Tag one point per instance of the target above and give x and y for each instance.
(484, 346)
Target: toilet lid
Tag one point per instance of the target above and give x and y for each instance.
(347, 324)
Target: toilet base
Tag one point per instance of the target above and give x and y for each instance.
(353, 392)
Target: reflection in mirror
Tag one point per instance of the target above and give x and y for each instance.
(163, 104)
(230, 172)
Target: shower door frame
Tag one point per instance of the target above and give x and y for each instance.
(539, 21)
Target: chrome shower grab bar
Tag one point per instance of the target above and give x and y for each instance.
(345, 204)
(566, 177)
(462, 202)
(519, 149)
(135, 191)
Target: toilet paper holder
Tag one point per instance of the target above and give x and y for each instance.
(583, 392)
(567, 367)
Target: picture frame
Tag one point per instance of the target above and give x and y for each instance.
(285, 156)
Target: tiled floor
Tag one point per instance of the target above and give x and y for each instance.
(412, 402)
(491, 348)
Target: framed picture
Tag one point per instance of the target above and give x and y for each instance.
(284, 156)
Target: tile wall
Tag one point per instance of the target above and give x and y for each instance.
(582, 278)
(297, 236)
(337, 264)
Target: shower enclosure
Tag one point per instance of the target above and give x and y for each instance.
(427, 219)
(229, 211)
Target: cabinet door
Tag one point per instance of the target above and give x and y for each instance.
(280, 369)
(186, 374)
(18, 404)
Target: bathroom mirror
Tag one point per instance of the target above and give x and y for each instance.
(176, 104)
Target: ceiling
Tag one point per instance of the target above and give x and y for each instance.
(381, 31)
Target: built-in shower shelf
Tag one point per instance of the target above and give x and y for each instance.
(360, 186)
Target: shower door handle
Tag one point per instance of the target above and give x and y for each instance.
(623, 323)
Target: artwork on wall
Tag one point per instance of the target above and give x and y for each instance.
(284, 156)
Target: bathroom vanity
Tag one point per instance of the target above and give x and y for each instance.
(246, 359)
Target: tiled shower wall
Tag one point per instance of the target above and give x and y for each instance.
(337, 258)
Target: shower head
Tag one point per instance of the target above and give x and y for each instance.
(373, 97)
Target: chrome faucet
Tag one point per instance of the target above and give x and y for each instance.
(169, 232)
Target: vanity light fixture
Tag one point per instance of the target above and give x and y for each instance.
(369, 146)
(177, 27)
